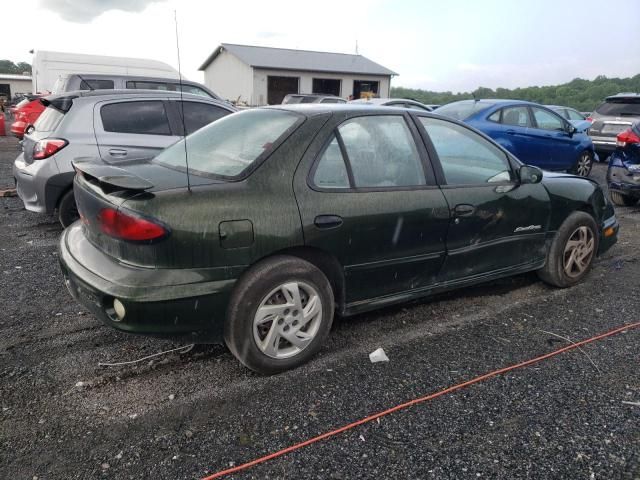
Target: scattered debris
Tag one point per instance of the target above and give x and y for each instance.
(172, 396)
(188, 434)
(184, 349)
(573, 343)
(10, 192)
(635, 404)
(378, 356)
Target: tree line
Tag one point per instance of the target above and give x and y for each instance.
(7, 66)
(583, 95)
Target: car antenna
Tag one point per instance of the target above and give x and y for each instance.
(473, 94)
(184, 126)
(91, 89)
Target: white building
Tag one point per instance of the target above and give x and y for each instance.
(12, 84)
(263, 76)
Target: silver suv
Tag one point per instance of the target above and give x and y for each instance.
(113, 125)
(615, 115)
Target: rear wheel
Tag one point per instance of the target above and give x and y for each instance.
(572, 251)
(279, 314)
(622, 200)
(67, 209)
(584, 164)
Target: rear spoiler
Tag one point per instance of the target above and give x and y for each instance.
(62, 103)
(110, 175)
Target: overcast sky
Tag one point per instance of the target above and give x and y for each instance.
(432, 44)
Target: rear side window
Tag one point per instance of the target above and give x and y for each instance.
(463, 110)
(150, 85)
(332, 100)
(516, 116)
(380, 152)
(88, 84)
(331, 171)
(230, 146)
(197, 115)
(146, 118)
(49, 120)
(620, 108)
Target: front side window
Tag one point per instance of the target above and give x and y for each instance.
(516, 116)
(381, 152)
(466, 157)
(573, 115)
(232, 144)
(197, 115)
(547, 120)
(145, 118)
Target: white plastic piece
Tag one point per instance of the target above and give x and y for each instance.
(378, 356)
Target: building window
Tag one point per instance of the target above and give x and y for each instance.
(279, 87)
(328, 86)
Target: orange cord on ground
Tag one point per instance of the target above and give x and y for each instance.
(415, 401)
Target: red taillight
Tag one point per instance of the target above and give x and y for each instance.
(589, 119)
(47, 147)
(626, 137)
(126, 227)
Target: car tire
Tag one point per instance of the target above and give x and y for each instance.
(584, 164)
(622, 200)
(572, 251)
(264, 309)
(67, 209)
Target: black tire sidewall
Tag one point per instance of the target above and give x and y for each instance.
(65, 209)
(249, 292)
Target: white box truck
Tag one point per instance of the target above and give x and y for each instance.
(49, 68)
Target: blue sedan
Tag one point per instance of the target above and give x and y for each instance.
(533, 133)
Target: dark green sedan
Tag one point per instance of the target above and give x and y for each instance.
(287, 216)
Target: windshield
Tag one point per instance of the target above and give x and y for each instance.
(622, 107)
(229, 146)
(462, 110)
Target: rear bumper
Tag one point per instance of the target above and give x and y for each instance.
(184, 303)
(604, 144)
(40, 184)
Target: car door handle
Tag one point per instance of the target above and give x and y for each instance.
(117, 152)
(464, 210)
(327, 221)
(510, 132)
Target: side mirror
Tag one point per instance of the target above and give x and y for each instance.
(571, 129)
(529, 174)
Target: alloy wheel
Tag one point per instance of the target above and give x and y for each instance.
(287, 320)
(583, 168)
(578, 251)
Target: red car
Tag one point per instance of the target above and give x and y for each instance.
(26, 113)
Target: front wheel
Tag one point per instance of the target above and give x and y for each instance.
(572, 251)
(584, 164)
(279, 314)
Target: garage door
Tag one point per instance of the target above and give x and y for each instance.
(278, 87)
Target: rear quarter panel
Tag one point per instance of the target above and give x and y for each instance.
(265, 199)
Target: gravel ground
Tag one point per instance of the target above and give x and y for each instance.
(182, 416)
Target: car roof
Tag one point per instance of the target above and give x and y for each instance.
(623, 95)
(495, 101)
(130, 93)
(310, 109)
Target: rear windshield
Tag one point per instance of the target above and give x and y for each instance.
(49, 120)
(462, 110)
(293, 99)
(229, 146)
(620, 107)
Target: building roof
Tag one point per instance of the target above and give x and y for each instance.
(307, 60)
(10, 76)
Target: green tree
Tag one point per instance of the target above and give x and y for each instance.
(7, 66)
(583, 95)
